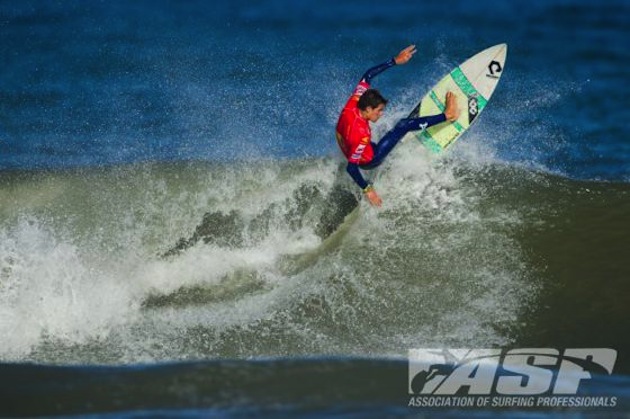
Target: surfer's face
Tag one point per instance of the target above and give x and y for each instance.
(373, 114)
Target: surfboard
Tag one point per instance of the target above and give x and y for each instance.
(473, 82)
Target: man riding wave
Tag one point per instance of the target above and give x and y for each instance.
(367, 105)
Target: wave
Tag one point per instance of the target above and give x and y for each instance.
(280, 257)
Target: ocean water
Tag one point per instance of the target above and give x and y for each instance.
(172, 203)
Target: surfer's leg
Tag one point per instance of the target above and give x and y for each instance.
(393, 137)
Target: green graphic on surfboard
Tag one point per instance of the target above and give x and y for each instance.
(473, 83)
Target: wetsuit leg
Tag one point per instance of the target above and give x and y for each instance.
(393, 137)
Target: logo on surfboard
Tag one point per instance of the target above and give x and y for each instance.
(473, 108)
(494, 68)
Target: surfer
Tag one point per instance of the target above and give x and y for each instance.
(367, 105)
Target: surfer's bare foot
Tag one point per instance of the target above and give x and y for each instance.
(451, 111)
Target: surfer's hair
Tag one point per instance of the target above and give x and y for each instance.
(371, 99)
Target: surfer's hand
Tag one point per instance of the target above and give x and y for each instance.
(373, 197)
(405, 55)
(451, 110)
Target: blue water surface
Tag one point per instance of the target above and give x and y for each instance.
(102, 83)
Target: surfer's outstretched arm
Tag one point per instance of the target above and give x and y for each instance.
(402, 58)
(376, 70)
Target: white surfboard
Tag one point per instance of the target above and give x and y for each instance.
(473, 83)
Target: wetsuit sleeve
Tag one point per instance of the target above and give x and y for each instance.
(376, 70)
(355, 174)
